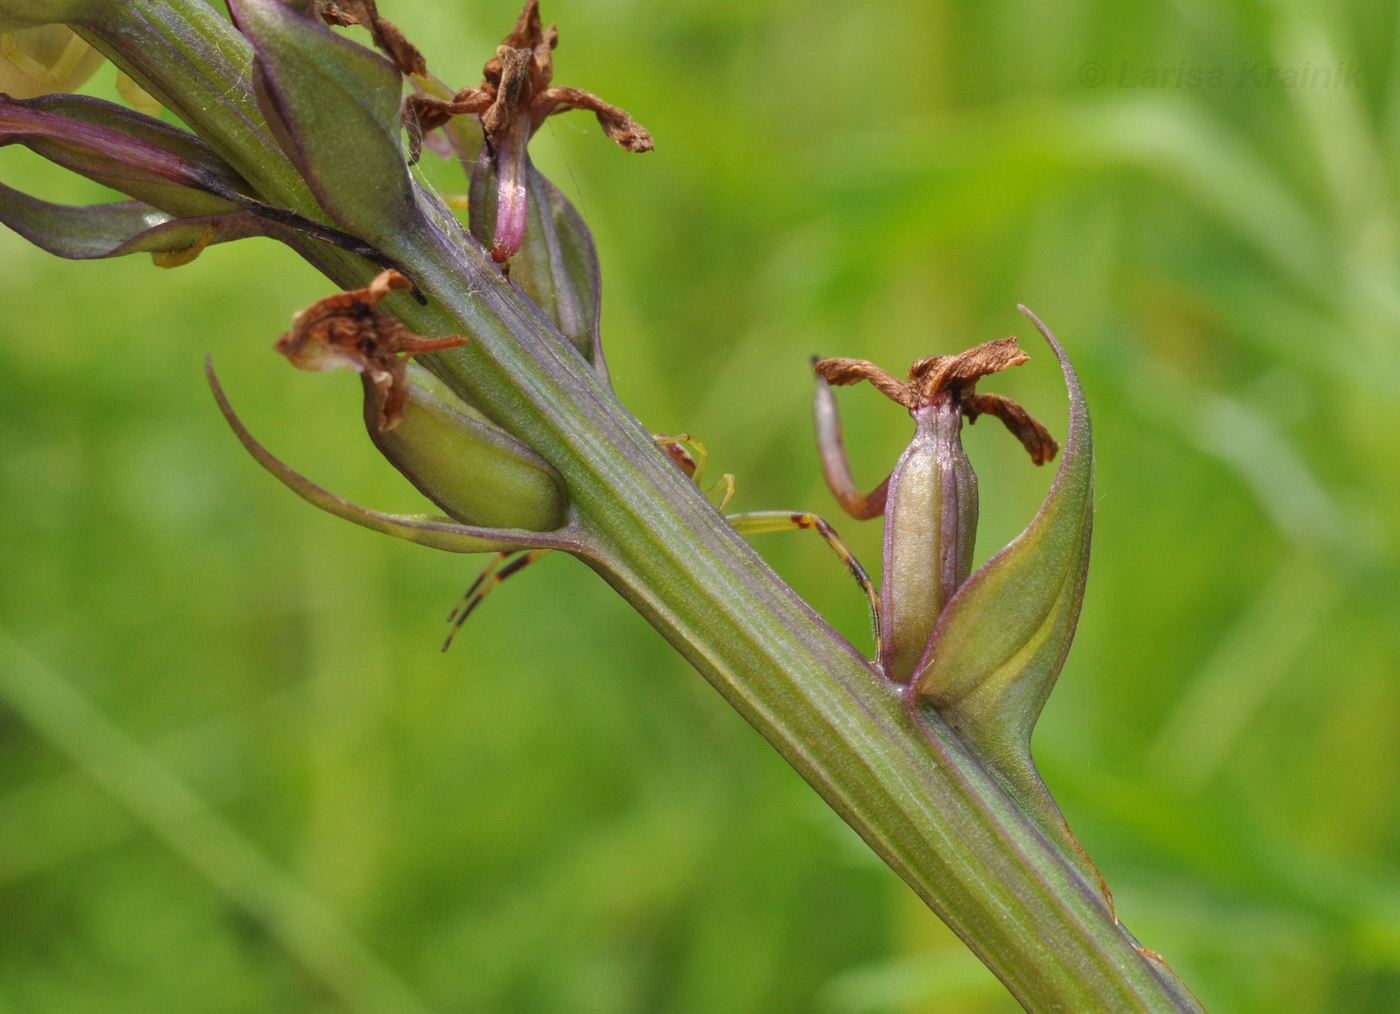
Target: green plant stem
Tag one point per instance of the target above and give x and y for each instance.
(904, 782)
(907, 785)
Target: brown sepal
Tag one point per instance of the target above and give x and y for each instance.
(616, 123)
(844, 372)
(386, 34)
(423, 114)
(939, 373)
(347, 330)
(1034, 437)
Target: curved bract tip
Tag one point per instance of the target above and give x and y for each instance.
(430, 530)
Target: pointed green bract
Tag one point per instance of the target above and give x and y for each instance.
(125, 150)
(140, 127)
(1003, 638)
(334, 107)
(576, 261)
(558, 266)
(96, 231)
(159, 165)
(429, 530)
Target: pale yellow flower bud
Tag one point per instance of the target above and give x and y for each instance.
(41, 61)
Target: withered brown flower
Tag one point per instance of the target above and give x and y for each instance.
(955, 377)
(348, 331)
(514, 99)
(930, 499)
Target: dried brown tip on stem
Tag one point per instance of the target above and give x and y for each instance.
(348, 331)
(953, 377)
(529, 29)
(386, 34)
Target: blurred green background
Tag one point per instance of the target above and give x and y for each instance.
(236, 774)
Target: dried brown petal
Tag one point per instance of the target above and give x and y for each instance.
(615, 122)
(939, 373)
(515, 91)
(429, 112)
(844, 372)
(423, 113)
(954, 377)
(512, 102)
(348, 331)
(1034, 437)
(386, 35)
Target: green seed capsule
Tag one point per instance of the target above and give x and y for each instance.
(473, 470)
(476, 472)
(930, 529)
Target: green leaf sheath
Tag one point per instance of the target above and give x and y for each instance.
(112, 230)
(198, 66)
(167, 168)
(466, 465)
(119, 149)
